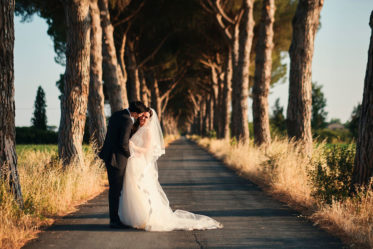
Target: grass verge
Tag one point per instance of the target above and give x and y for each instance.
(48, 191)
(284, 172)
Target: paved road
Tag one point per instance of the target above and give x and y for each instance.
(194, 181)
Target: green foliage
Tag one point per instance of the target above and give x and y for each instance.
(233, 141)
(333, 136)
(319, 114)
(353, 124)
(50, 148)
(212, 134)
(332, 179)
(32, 135)
(190, 34)
(251, 130)
(60, 85)
(52, 11)
(277, 120)
(39, 120)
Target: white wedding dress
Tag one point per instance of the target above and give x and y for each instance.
(143, 203)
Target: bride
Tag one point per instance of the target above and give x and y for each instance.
(143, 203)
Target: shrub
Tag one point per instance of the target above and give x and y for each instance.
(31, 135)
(333, 136)
(331, 177)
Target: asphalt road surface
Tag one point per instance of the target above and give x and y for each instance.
(195, 181)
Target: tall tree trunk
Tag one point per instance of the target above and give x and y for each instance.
(144, 91)
(111, 73)
(219, 105)
(263, 70)
(8, 156)
(363, 170)
(227, 97)
(201, 116)
(234, 49)
(75, 97)
(213, 96)
(123, 85)
(121, 70)
(169, 124)
(240, 91)
(133, 82)
(305, 24)
(156, 99)
(204, 115)
(209, 114)
(97, 121)
(215, 105)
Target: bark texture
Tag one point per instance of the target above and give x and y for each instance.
(305, 24)
(75, 97)
(144, 91)
(240, 92)
(111, 70)
(97, 121)
(263, 70)
(156, 102)
(8, 156)
(226, 98)
(133, 82)
(363, 170)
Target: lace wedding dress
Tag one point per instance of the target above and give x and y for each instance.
(143, 203)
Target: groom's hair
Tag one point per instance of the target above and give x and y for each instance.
(137, 106)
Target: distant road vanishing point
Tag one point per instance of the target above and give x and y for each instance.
(195, 181)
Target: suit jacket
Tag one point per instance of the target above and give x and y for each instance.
(135, 127)
(115, 150)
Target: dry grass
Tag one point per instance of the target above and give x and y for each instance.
(170, 138)
(48, 191)
(284, 171)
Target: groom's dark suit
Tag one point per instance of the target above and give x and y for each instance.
(115, 153)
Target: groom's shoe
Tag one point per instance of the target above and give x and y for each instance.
(118, 225)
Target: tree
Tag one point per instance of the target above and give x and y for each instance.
(363, 168)
(263, 71)
(277, 119)
(113, 76)
(353, 124)
(8, 156)
(240, 85)
(76, 82)
(97, 121)
(305, 25)
(39, 120)
(318, 119)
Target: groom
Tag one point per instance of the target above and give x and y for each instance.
(115, 153)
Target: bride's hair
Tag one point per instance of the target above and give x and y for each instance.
(148, 109)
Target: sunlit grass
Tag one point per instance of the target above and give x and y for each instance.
(287, 174)
(48, 190)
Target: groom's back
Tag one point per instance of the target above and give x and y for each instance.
(119, 122)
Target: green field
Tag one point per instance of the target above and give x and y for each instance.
(53, 148)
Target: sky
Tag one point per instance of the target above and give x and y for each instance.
(339, 62)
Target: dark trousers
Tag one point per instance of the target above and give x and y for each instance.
(115, 177)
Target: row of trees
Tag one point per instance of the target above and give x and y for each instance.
(299, 112)
(192, 58)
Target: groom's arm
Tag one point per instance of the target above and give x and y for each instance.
(124, 138)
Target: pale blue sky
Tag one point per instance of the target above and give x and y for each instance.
(339, 62)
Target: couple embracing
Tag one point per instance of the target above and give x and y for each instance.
(133, 144)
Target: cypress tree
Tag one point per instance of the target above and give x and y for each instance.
(39, 120)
